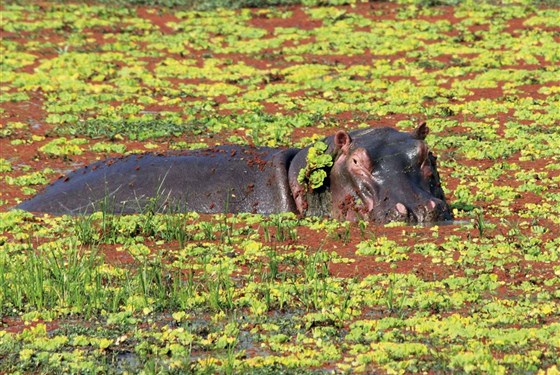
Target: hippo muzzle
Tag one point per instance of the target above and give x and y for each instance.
(428, 211)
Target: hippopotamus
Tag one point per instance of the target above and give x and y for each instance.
(374, 174)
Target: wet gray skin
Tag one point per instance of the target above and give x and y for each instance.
(379, 175)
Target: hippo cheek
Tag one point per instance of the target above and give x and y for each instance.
(360, 174)
(366, 192)
(351, 215)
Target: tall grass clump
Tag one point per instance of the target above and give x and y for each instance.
(59, 273)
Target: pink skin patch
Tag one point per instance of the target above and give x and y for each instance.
(401, 208)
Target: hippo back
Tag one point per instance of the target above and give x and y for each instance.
(218, 180)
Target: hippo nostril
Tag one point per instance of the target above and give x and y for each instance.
(435, 210)
(426, 211)
(398, 212)
(401, 208)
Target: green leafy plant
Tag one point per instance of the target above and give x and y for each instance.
(314, 174)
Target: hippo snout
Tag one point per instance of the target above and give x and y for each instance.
(432, 210)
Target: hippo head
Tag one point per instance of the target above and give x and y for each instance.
(384, 175)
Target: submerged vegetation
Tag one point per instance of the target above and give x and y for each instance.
(182, 292)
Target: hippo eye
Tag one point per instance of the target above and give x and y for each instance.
(355, 161)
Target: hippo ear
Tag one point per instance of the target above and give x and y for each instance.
(420, 132)
(342, 141)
